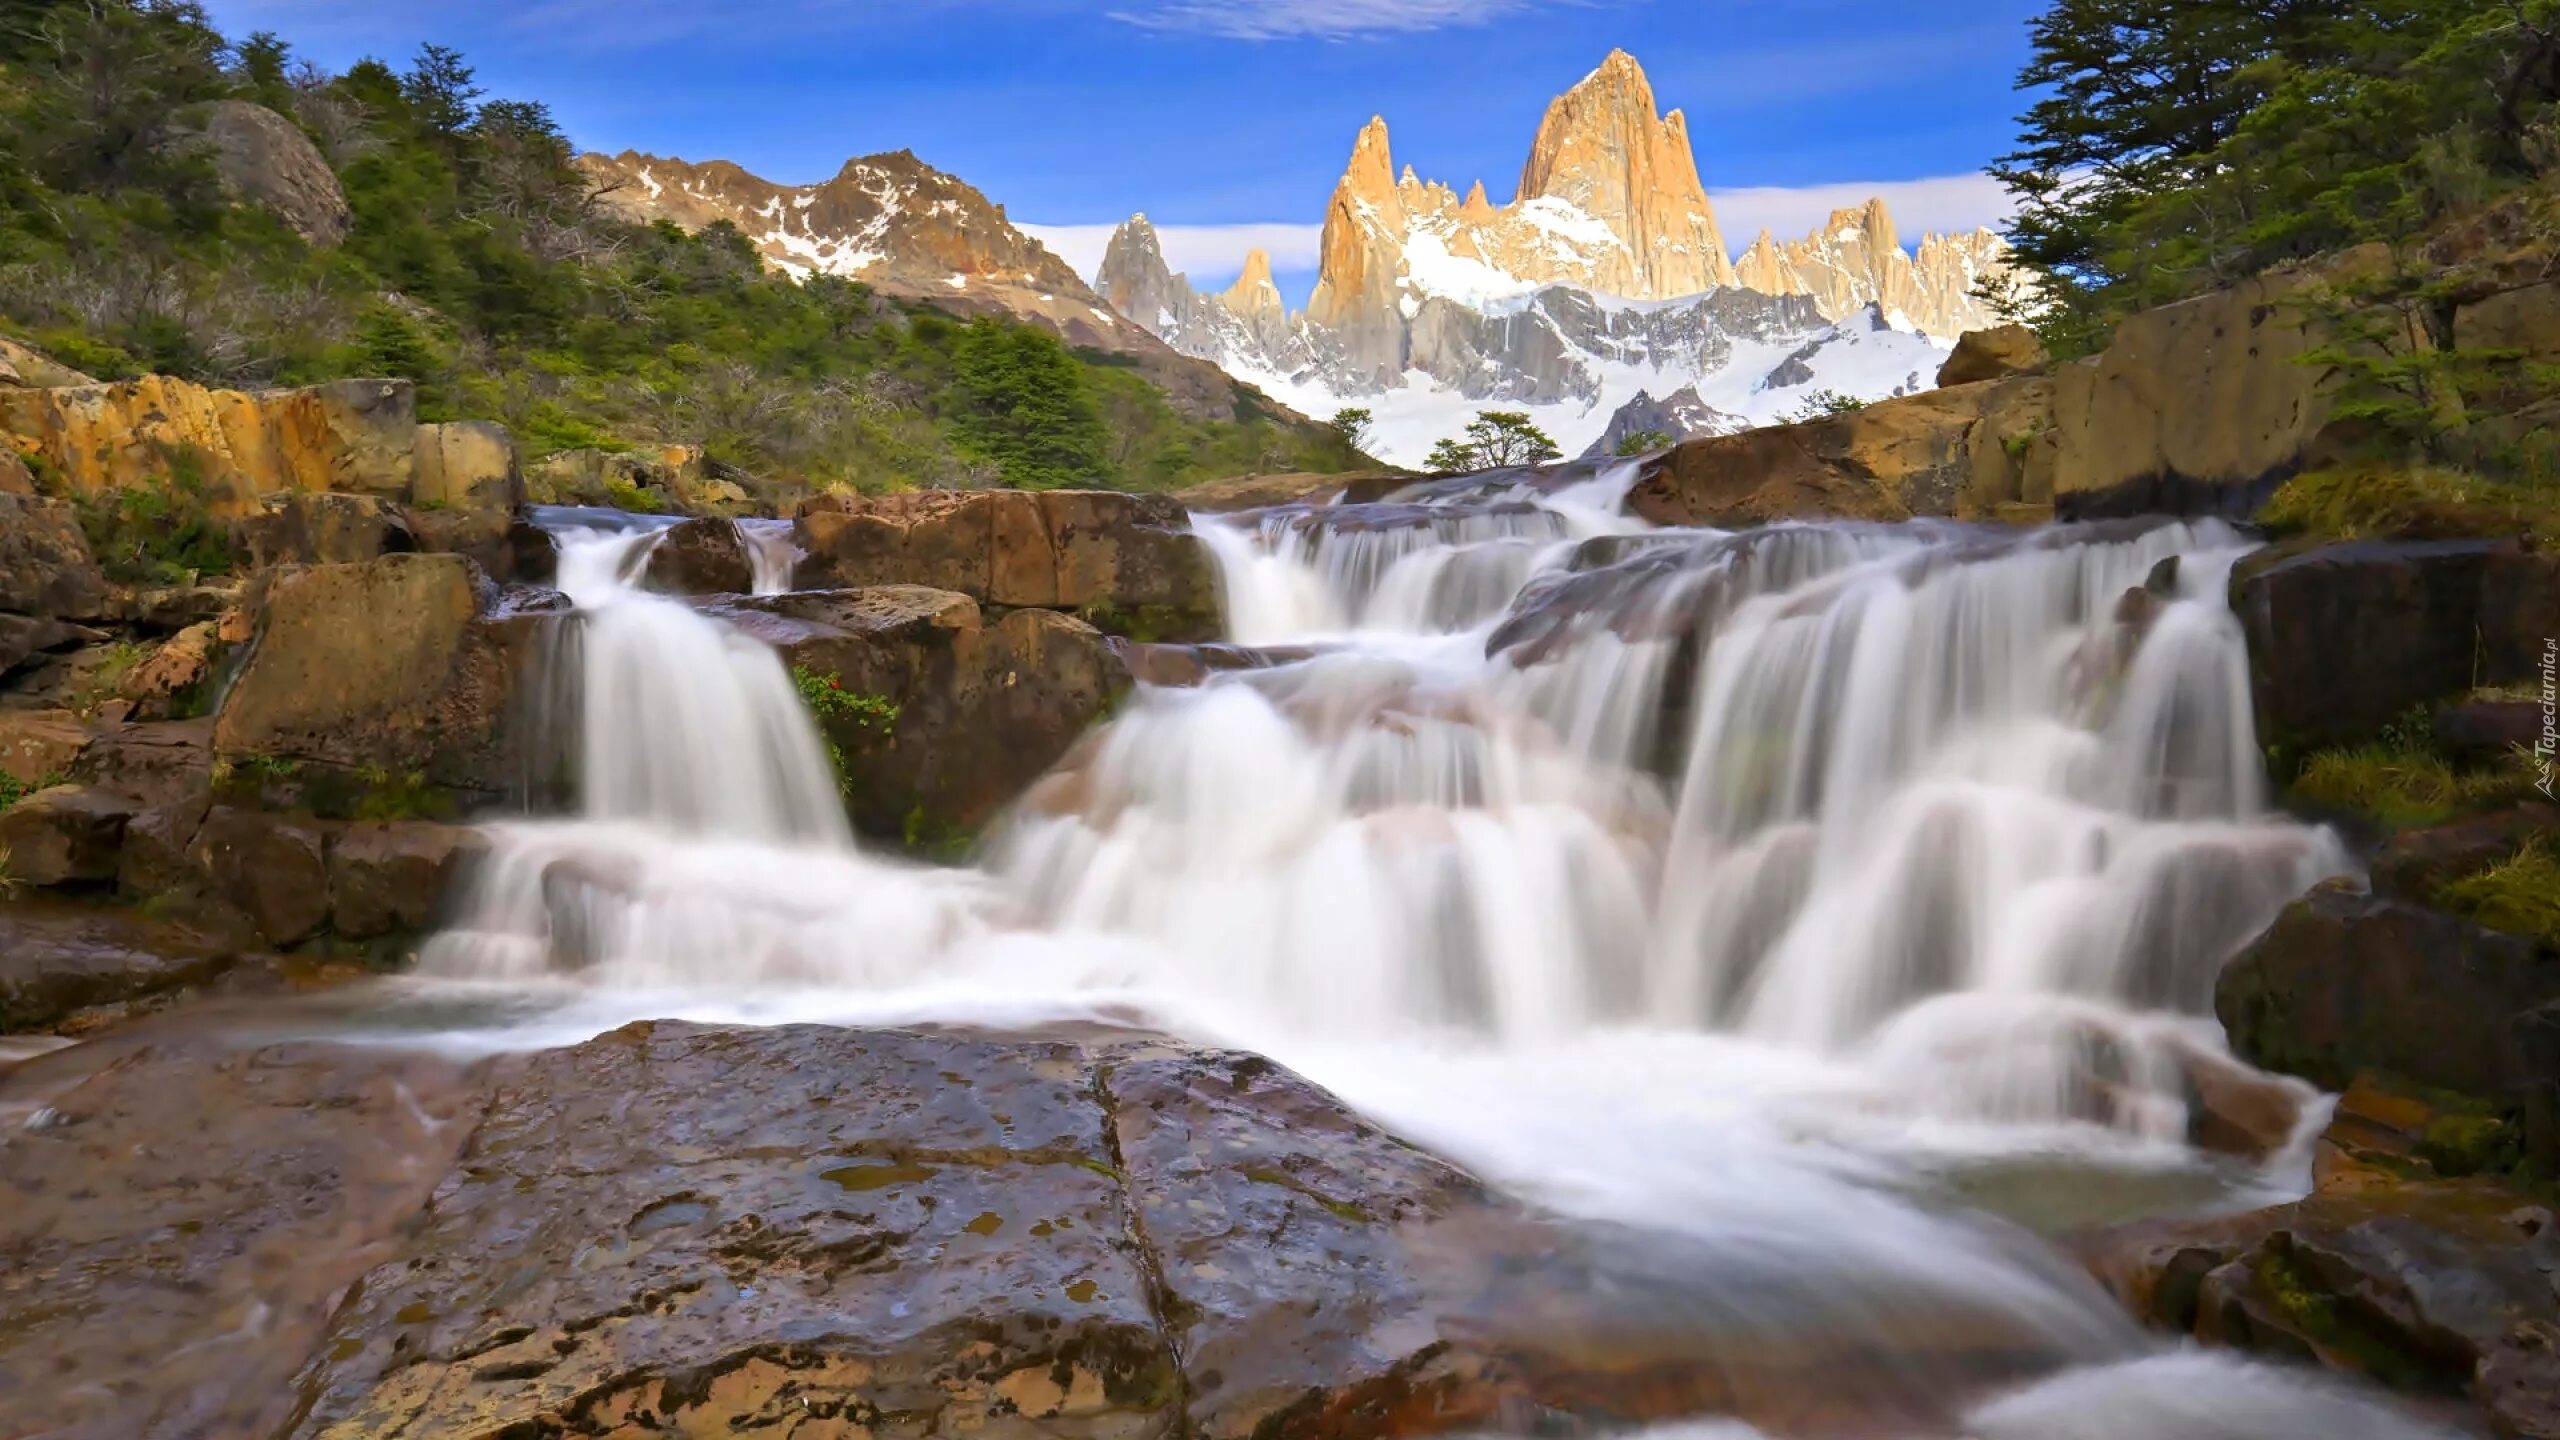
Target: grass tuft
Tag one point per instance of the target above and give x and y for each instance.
(2377, 501)
(2520, 894)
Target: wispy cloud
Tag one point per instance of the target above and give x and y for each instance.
(1211, 255)
(1942, 202)
(1312, 19)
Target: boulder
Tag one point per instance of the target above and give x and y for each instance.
(2345, 981)
(66, 835)
(46, 570)
(26, 368)
(661, 480)
(986, 703)
(324, 529)
(37, 745)
(2203, 405)
(2484, 731)
(700, 557)
(2432, 1287)
(1993, 354)
(2345, 638)
(408, 663)
(508, 548)
(466, 465)
(57, 959)
(391, 877)
(2414, 864)
(357, 436)
(158, 860)
(266, 159)
(175, 675)
(271, 867)
(1127, 563)
(1940, 452)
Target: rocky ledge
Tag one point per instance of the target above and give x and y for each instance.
(815, 1232)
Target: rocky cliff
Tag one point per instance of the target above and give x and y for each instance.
(913, 232)
(1857, 259)
(1604, 275)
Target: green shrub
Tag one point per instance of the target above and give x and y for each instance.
(839, 709)
(161, 533)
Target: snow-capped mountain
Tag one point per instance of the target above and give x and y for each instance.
(914, 232)
(1605, 277)
(1680, 415)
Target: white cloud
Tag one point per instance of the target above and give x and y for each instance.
(1320, 19)
(1212, 255)
(1944, 202)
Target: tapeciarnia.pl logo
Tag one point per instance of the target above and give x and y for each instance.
(2549, 743)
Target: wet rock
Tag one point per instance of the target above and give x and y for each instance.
(2438, 1288)
(2414, 864)
(985, 703)
(64, 836)
(2486, 731)
(271, 867)
(2234, 1110)
(58, 958)
(1127, 563)
(700, 557)
(188, 1216)
(325, 530)
(1993, 354)
(1261, 492)
(923, 1227)
(507, 547)
(156, 863)
(409, 663)
(2344, 639)
(2346, 981)
(391, 878)
(466, 465)
(1186, 665)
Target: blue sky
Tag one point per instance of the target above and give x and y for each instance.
(1228, 121)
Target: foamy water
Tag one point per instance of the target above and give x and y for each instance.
(1764, 890)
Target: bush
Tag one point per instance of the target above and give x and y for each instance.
(161, 534)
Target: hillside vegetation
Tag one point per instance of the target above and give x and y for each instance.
(2401, 154)
(477, 265)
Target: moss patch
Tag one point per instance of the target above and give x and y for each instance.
(2408, 502)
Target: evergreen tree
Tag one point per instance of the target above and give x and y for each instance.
(1023, 404)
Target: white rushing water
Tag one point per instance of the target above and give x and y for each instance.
(1772, 890)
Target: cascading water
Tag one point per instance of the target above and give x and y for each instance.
(1768, 890)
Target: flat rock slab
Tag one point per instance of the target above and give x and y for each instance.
(180, 1221)
(58, 958)
(808, 1232)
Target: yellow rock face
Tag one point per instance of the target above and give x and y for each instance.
(350, 435)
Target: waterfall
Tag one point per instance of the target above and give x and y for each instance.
(1749, 889)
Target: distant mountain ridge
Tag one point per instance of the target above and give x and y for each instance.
(914, 232)
(1606, 275)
